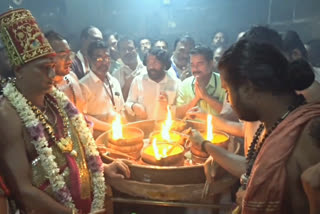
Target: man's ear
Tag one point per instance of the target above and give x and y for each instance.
(296, 54)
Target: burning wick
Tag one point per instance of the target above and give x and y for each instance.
(117, 128)
(209, 128)
(166, 126)
(157, 154)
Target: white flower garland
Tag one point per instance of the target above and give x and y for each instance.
(45, 152)
(99, 188)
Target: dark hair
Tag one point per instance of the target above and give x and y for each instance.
(265, 35)
(161, 40)
(292, 41)
(147, 38)
(265, 67)
(162, 55)
(314, 52)
(204, 51)
(53, 36)
(125, 39)
(85, 32)
(96, 45)
(184, 39)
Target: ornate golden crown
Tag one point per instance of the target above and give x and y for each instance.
(22, 37)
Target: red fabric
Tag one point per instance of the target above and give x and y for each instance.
(265, 190)
(25, 37)
(75, 182)
(4, 187)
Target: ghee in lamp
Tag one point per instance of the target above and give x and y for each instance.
(219, 139)
(163, 154)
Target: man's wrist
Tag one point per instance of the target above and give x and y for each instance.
(205, 97)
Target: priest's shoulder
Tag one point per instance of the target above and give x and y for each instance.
(314, 130)
(9, 118)
(307, 147)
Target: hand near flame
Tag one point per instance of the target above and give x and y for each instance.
(111, 116)
(196, 113)
(163, 99)
(196, 139)
(118, 169)
(139, 111)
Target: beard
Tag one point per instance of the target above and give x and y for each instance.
(129, 58)
(245, 112)
(156, 75)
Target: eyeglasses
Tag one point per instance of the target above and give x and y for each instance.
(65, 54)
(101, 59)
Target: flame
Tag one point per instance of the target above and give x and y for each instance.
(166, 126)
(209, 128)
(164, 152)
(117, 128)
(156, 151)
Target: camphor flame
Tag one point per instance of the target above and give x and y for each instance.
(117, 132)
(166, 126)
(209, 128)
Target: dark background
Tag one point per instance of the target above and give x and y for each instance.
(169, 19)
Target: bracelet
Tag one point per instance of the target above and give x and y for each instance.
(203, 143)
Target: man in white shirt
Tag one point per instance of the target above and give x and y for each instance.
(132, 65)
(101, 91)
(80, 65)
(150, 93)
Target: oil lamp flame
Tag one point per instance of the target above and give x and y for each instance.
(166, 126)
(209, 128)
(117, 128)
(156, 151)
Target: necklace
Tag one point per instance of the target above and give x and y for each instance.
(48, 160)
(255, 146)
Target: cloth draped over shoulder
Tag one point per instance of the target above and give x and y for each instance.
(266, 188)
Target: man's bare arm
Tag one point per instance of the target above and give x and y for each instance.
(305, 154)
(182, 110)
(15, 167)
(213, 103)
(234, 164)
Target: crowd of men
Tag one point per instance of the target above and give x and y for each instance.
(263, 88)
